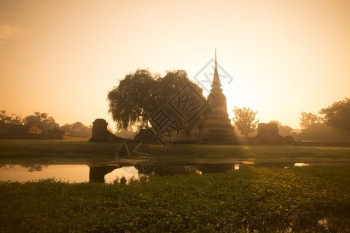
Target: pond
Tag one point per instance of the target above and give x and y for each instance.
(110, 173)
(77, 173)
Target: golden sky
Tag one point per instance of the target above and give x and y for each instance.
(62, 56)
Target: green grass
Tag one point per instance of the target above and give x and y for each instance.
(54, 148)
(308, 199)
(58, 150)
(258, 152)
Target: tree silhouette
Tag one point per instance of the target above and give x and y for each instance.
(308, 120)
(338, 115)
(77, 129)
(7, 120)
(140, 95)
(40, 120)
(244, 120)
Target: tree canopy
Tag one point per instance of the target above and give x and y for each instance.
(7, 120)
(308, 120)
(338, 115)
(244, 120)
(77, 129)
(333, 126)
(41, 120)
(141, 94)
(38, 119)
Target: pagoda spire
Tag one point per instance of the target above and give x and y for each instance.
(216, 79)
(217, 128)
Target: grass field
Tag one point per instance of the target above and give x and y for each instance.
(306, 199)
(61, 150)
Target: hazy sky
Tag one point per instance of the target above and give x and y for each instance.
(63, 56)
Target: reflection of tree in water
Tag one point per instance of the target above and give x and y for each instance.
(35, 167)
(7, 166)
(97, 173)
(30, 166)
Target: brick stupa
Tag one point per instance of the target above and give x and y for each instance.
(217, 125)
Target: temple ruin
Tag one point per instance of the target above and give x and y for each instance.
(100, 132)
(217, 125)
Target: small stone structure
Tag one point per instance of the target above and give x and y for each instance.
(99, 131)
(101, 134)
(54, 133)
(269, 130)
(268, 134)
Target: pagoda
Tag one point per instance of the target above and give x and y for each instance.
(217, 125)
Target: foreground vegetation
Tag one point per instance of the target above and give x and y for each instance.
(56, 150)
(308, 199)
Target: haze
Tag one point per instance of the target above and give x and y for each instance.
(62, 57)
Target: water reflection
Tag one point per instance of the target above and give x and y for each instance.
(29, 167)
(67, 173)
(301, 165)
(129, 173)
(37, 167)
(112, 172)
(189, 168)
(102, 174)
(97, 174)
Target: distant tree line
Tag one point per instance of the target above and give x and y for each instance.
(77, 129)
(330, 124)
(40, 122)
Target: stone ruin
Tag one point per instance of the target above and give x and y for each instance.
(54, 133)
(268, 134)
(100, 132)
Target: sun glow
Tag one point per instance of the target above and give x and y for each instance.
(63, 57)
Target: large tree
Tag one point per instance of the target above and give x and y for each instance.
(133, 100)
(244, 119)
(338, 115)
(141, 94)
